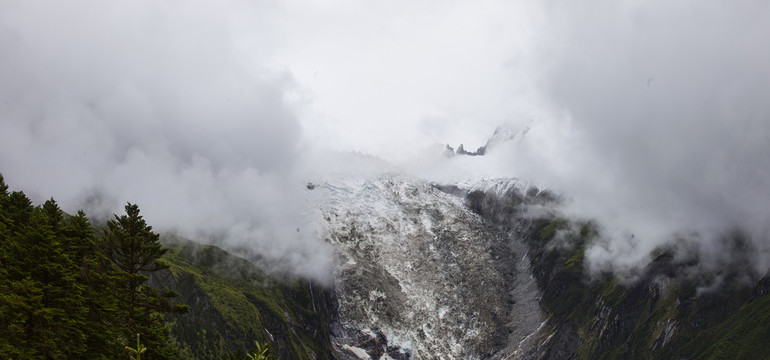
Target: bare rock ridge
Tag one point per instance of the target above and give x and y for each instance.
(501, 135)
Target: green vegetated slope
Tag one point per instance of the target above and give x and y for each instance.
(233, 303)
(673, 308)
(666, 312)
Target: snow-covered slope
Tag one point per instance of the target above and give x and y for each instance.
(420, 276)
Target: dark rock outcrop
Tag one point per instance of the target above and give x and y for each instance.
(673, 308)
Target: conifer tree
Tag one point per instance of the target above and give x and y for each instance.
(101, 337)
(135, 252)
(64, 294)
(3, 191)
(42, 296)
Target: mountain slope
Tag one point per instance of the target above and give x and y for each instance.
(233, 303)
(672, 310)
(470, 271)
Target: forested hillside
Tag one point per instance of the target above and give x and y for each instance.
(72, 290)
(66, 293)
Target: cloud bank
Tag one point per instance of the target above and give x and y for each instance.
(651, 119)
(649, 116)
(661, 127)
(160, 104)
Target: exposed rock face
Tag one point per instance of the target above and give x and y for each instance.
(452, 272)
(675, 307)
(421, 276)
(501, 135)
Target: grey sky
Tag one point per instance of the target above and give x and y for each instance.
(651, 116)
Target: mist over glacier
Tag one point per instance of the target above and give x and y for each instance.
(649, 117)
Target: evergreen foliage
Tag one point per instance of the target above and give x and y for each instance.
(65, 294)
(135, 251)
(68, 293)
(262, 352)
(138, 350)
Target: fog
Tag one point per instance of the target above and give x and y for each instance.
(670, 127)
(649, 117)
(158, 104)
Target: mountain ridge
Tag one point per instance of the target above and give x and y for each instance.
(397, 252)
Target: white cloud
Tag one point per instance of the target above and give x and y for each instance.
(650, 115)
(669, 122)
(156, 103)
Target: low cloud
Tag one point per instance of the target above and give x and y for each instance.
(650, 116)
(157, 103)
(660, 124)
(651, 119)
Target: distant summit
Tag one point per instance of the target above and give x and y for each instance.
(501, 135)
(450, 151)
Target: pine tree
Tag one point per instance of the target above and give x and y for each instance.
(20, 294)
(98, 307)
(54, 301)
(3, 191)
(42, 295)
(135, 252)
(65, 294)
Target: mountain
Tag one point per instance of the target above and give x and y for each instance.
(485, 270)
(673, 309)
(502, 134)
(477, 270)
(233, 304)
(419, 275)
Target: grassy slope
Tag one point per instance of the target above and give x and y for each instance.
(233, 304)
(614, 321)
(744, 335)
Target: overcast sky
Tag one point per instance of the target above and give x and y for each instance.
(649, 115)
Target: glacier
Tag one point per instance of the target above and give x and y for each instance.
(420, 275)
